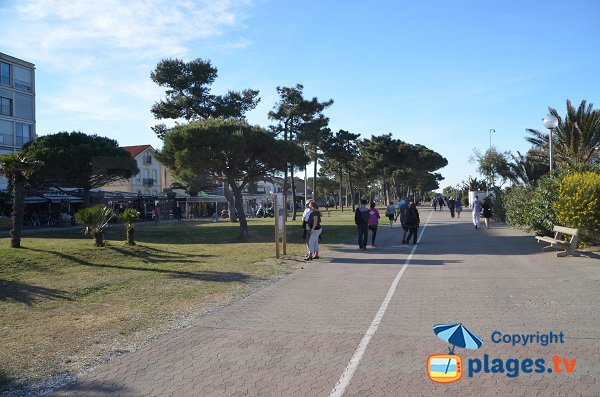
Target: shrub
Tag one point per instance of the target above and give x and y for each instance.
(517, 208)
(542, 213)
(465, 201)
(578, 204)
(95, 219)
(129, 217)
(498, 209)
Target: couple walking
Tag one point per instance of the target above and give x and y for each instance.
(366, 219)
(311, 223)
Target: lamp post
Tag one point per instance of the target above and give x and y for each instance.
(491, 130)
(551, 123)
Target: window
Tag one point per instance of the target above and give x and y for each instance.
(23, 106)
(24, 134)
(155, 176)
(22, 78)
(4, 73)
(6, 133)
(5, 106)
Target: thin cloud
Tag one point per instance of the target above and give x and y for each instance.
(118, 43)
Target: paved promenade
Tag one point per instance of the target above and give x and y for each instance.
(305, 335)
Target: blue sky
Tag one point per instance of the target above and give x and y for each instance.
(438, 73)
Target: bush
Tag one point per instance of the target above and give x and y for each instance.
(498, 209)
(578, 204)
(464, 201)
(95, 219)
(543, 215)
(517, 206)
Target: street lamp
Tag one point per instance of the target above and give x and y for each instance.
(491, 130)
(551, 123)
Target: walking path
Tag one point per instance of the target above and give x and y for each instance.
(359, 323)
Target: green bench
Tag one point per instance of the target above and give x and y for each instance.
(568, 246)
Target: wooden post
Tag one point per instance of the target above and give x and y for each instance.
(276, 211)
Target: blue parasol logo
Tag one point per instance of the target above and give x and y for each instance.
(457, 335)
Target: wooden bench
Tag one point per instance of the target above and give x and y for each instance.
(557, 242)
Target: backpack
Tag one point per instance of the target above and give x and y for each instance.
(365, 216)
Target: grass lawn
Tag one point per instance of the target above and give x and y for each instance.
(65, 304)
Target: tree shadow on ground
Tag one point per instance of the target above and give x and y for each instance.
(97, 388)
(156, 256)
(28, 294)
(200, 276)
(201, 233)
(366, 261)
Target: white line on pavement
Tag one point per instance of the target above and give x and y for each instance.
(344, 381)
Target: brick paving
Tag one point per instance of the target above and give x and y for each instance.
(295, 337)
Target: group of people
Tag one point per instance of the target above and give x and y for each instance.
(368, 219)
(454, 205)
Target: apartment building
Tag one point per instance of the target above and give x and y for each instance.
(17, 105)
(152, 179)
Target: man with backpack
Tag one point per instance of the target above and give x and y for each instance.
(361, 219)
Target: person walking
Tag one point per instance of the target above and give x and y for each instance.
(389, 212)
(458, 207)
(476, 212)
(451, 206)
(412, 222)
(487, 211)
(441, 202)
(373, 222)
(434, 202)
(305, 227)
(403, 212)
(314, 231)
(361, 219)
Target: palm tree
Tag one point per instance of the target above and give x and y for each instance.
(18, 168)
(95, 219)
(527, 169)
(576, 139)
(129, 217)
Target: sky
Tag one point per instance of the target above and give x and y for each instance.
(437, 73)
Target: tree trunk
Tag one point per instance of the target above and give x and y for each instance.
(98, 239)
(341, 190)
(293, 194)
(285, 172)
(130, 236)
(230, 200)
(18, 210)
(351, 191)
(315, 177)
(237, 191)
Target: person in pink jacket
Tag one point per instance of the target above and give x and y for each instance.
(373, 222)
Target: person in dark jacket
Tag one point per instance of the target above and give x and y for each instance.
(451, 206)
(412, 222)
(361, 218)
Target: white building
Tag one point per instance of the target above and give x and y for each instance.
(152, 179)
(17, 105)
